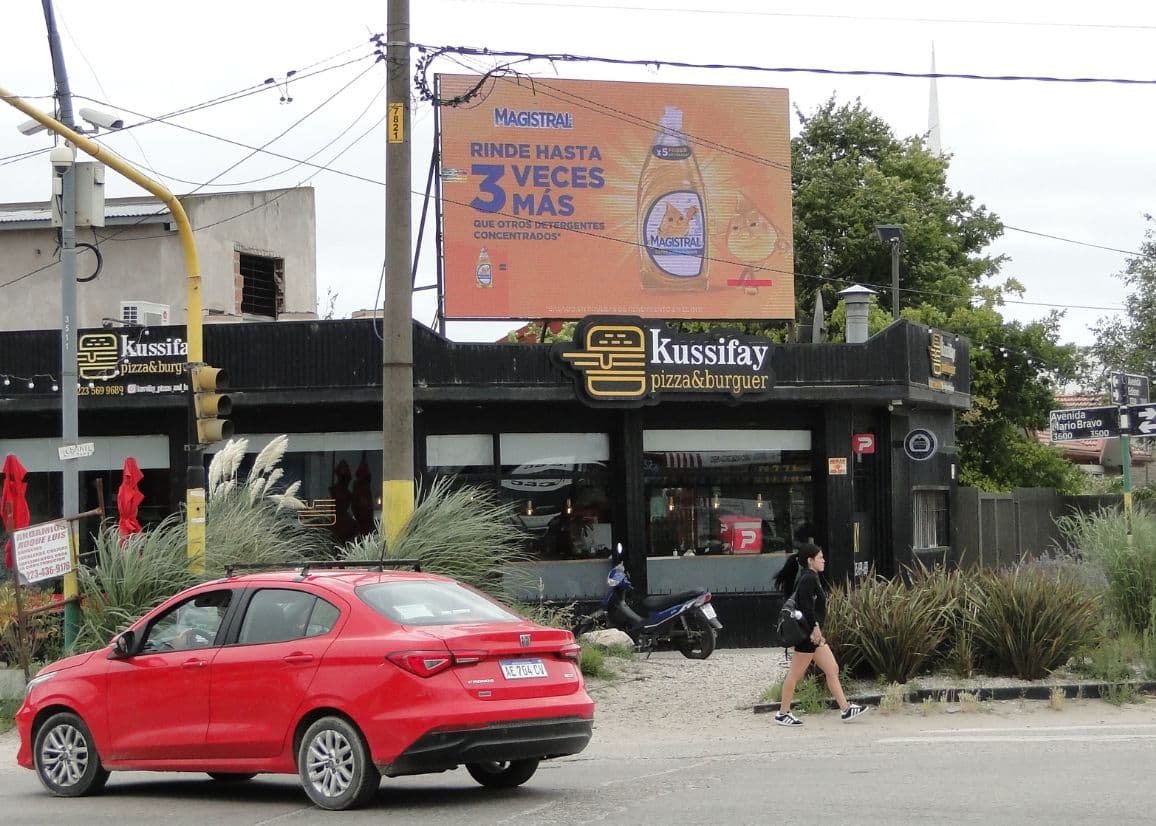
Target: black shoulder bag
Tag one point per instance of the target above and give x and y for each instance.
(790, 626)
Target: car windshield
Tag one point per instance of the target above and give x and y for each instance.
(431, 602)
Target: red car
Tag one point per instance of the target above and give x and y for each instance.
(340, 676)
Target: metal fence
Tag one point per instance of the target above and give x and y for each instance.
(999, 529)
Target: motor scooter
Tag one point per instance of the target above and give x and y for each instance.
(686, 620)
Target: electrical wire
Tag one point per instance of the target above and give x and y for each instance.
(680, 64)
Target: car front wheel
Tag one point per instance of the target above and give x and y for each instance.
(66, 759)
(335, 767)
(503, 775)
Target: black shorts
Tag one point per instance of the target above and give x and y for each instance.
(807, 647)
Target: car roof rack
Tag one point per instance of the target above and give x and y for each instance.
(324, 564)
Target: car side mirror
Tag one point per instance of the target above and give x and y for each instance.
(123, 646)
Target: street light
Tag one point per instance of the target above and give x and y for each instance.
(892, 234)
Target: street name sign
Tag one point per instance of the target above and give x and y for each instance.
(1084, 423)
(76, 451)
(1129, 388)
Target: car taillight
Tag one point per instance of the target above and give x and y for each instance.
(428, 663)
(570, 651)
(422, 663)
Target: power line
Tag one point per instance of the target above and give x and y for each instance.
(679, 64)
(1131, 253)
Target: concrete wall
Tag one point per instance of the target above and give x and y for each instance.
(145, 262)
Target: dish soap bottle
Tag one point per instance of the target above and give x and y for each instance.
(672, 221)
(484, 271)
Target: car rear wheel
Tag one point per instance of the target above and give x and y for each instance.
(503, 774)
(700, 640)
(232, 777)
(66, 759)
(335, 766)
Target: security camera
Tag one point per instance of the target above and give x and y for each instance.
(31, 127)
(102, 119)
(62, 157)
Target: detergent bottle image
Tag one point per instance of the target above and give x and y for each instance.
(484, 271)
(672, 221)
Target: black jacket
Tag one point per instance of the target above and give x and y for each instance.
(810, 599)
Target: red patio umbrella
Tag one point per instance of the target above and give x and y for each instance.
(13, 505)
(128, 499)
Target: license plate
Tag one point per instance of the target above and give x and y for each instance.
(523, 669)
(708, 611)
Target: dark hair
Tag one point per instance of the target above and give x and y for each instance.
(785, 578)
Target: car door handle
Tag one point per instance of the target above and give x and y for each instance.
(298, 659)
(197, 663)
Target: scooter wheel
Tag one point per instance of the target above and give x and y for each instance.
(700, 637)
(584, 625)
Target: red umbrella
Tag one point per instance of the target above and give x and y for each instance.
(13, 505)
(128, 499)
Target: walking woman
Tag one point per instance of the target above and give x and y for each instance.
(800, 573)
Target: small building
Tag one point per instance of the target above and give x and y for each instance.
(850, 444)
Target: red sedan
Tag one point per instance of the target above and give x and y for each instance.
(337, 675)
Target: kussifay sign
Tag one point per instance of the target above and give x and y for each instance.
(628, 361)
(132, 361)
(564, 198)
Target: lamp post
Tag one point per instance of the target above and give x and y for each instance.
(892, 234)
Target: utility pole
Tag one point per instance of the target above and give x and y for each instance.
(70, 483)
(397, 459)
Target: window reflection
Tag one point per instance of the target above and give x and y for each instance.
(726, 502)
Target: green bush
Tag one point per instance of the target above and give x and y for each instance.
(894, 628)
(1028, 623)
(125, 582)
(1128, 560)
(465, 532)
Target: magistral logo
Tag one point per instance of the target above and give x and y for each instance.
(628, 360)
(532, 119)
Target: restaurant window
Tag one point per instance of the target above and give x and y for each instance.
(726, 492)
(930, 518)
(558, 485)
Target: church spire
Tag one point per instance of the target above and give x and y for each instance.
(934, 144)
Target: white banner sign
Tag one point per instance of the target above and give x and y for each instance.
(42, 551)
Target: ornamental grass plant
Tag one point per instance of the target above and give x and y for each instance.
(1127, 558)
(465, 532)
(1028, 623)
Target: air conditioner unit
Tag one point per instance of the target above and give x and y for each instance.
(144, 313)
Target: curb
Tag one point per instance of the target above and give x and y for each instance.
(1032, 692)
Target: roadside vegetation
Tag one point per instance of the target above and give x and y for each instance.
(1088, 611)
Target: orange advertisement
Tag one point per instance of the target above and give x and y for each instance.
(565, 198)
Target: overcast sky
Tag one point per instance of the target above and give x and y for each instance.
(1067, 160)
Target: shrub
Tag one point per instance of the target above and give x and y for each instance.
(42, 630)
(464, 532)
(125, 582)
(1127, 558)
(894, 628)
(1027, 623)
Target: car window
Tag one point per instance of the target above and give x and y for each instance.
(432, 602)
(282, 614)
(190, 624)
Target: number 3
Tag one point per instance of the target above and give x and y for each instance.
(489, 186)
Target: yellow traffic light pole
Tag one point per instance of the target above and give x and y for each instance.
(195, 496)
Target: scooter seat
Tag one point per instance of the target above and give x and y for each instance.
(660, 602)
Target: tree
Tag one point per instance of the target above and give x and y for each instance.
(1129, 344)
(849, 174)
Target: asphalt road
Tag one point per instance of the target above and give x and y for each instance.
(1014, 763)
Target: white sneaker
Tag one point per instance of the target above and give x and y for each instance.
(851, 712)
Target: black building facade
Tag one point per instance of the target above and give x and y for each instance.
(705, 484)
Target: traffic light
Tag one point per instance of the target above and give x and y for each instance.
(210, 404)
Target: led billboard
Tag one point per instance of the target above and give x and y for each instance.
(564, 198)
